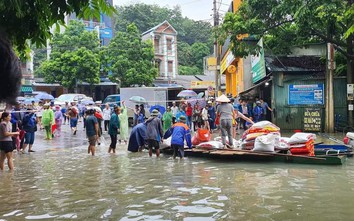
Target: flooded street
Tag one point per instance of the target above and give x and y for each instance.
(58, 183)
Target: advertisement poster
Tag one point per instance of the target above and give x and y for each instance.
(312, 119)
(258, 64)
(307, 94)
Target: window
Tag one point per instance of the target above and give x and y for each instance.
(169, 44)
(156, 45)
(170, 66)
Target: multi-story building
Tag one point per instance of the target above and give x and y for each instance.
(164, 38)
(104, 26)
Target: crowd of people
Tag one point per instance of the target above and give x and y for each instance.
(223, 113)
(20, 123)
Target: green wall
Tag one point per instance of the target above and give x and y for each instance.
(291, 117)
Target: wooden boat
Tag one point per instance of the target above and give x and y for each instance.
(246, 155)
(333, 149)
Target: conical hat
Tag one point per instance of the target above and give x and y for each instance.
(223, 98)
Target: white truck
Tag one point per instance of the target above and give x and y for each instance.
(152, 95)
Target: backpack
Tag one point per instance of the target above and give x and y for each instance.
(30, 123)
(98, 115)
(258, 111)
(141, 118)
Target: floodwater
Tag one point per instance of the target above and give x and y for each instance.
(67, 183)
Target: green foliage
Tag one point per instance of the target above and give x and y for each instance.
(75, 57)
(32, 19)
(148, 16)
(189, 70)
(192, 56)
(40, 55)
(131, 59)
(198, 52)
(285, 23)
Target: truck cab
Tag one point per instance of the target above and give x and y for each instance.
(112, 100)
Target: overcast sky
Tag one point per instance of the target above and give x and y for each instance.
(193, 9)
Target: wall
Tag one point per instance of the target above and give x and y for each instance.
(290, 117)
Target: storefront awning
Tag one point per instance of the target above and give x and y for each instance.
(251, 89)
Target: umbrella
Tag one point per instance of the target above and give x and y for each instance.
(44, 96)
(30, 99)
(187, 93)
(87, 102)
(160, 108)
(193, 101)
(138, 100)
(20, 99)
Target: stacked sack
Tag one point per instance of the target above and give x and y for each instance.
(302, 144)
(202, 135)
(258, 129)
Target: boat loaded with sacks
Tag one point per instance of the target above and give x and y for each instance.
(263, 142)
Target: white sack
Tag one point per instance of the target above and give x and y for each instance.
(301, 137)
(265, 143)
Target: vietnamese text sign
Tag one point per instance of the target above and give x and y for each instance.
(312, 119)
(306, 94)
(350, 92)
(202, 84)
(258, 64)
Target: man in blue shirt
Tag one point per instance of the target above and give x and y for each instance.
(265, 107)
(180, 132)
(92, 130)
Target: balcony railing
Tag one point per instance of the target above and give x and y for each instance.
(93, 24)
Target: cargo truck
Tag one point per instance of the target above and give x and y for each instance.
(152, 95)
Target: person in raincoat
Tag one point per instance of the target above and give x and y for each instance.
(123, 120)
(58, 120)
(113, 129)
(137, 138)
(154, 133)
(47, 121)
(167, 119)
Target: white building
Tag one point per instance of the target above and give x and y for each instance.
(164, 38)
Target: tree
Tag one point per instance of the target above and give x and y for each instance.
(74, 58)
(189, 70)
(191, 57)
(131, 59)
(198, 52)
(147, 16)
(32, 19)
(285, 23)
(39, 56)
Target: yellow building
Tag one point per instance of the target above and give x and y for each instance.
(230, 66)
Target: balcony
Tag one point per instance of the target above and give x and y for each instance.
(92, 24)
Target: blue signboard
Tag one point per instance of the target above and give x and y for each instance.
(306, 94)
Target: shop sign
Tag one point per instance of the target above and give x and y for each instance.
(312, 119)
(258, 63)
(308, 94)
(228, 59)
(202, 84)
(350, 92)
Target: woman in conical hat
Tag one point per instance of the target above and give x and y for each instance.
(227, 115)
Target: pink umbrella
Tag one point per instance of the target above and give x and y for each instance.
(187, 93)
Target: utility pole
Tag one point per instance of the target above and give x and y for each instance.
(216, 51)
(329, 107)
(350, 70)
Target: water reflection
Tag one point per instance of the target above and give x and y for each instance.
(69, 184)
